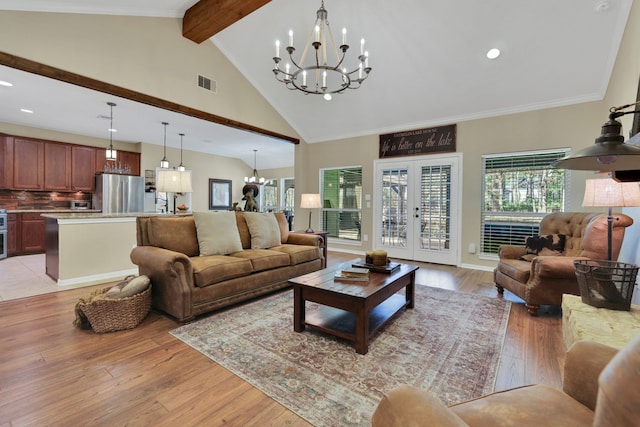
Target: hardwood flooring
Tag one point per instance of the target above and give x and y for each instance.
(54, 374)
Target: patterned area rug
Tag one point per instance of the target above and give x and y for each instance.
(450, 344)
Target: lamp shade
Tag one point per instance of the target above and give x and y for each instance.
(609, 153)
(310, 201)
(609, 192)
(174, 181)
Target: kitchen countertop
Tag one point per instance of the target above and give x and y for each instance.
(100, 215)
(9, 211)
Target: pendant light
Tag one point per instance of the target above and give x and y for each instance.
(111, 154)
(181, 168)
(164, 163)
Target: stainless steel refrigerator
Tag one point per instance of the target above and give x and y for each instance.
(118, 193)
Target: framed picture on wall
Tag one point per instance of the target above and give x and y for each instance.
(219, 194)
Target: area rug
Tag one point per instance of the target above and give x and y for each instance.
(449, 344)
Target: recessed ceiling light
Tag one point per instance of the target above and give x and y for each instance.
(3, 83)
(25, 110)
(493, 53)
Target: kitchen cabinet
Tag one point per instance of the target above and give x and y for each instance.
(28, 164)
(83, 168)
(12, 234)
(57, 162)
(32, 234)
(6, 161)
(130, 159)
(125, 158)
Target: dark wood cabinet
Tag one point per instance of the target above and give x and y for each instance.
(57, 162)
(32, 234)
(12, 234)
(83, 168)
(130, 159)
(125, 158)
(6, 161)
(28, 164)
(33, 164)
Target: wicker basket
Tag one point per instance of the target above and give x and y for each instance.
(606, 284)
(109, 315)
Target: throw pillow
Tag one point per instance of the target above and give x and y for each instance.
(549, 245)
(264, 229)
(217, 233)
(128, 287)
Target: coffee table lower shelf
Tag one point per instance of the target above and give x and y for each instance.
(342, 324)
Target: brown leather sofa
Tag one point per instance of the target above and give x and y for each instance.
(186, 284)
(544, 279)
(590, 396)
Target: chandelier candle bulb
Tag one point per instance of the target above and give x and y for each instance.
(366, 59)
(290, 38)
(304, 79)
(317, 29)
(362, 47)
(324, 79)
(344, 36)
(277, 48)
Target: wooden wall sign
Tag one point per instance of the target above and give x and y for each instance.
(441, 139)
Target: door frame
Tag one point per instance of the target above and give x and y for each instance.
(456, 214)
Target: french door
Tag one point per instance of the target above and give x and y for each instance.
(416, 204)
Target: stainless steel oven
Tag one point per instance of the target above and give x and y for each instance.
(3, 233)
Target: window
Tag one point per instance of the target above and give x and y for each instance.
(269, 202)
(520, 189)
(341, 192)
(288, 194)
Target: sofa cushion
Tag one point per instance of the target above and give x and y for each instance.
(243, 230)
(515, 268)
(264, 229)
(208, 270)
(163, 232)
(298, 254)
(217, 233)
(263, 259)
(284, 226)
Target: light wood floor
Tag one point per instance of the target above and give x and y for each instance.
(54, 374)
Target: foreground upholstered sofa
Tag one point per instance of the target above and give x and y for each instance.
(174, 253)
(545, 278)
(590, 396)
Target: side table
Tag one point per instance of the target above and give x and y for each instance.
(324, 243)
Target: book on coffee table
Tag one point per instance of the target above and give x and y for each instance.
(352, 274)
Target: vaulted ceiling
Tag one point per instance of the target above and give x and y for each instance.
(428, 58)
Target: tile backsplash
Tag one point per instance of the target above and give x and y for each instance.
(23, 200)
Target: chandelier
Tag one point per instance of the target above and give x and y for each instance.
(319, 77)
(255, 179)
(111, 153)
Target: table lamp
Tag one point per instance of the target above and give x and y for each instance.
(310, 201)
(608, 192)
(174, 181)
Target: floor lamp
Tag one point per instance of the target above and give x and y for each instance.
(610, 193)
(310, 201)
(174, 181)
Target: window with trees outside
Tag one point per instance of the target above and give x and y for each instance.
(269, 196)
(519, 190)
(341, 193)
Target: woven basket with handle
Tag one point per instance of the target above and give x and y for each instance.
(109, 315)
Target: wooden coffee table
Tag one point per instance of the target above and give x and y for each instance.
(352, 310)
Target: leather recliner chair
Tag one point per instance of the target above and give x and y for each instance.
(590, 396)
(544, 279)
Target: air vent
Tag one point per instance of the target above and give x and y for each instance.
(207, 83)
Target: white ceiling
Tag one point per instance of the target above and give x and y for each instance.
(428, 60)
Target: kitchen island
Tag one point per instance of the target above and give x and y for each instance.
(89, 248)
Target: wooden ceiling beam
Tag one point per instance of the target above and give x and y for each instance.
(208, 17)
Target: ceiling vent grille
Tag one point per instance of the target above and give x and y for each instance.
(207, 83)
